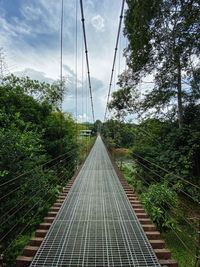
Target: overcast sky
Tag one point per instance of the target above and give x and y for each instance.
(30, 36)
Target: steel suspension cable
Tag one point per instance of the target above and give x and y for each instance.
(82, 79)
(148, 134)
(30, 219)
(61, 52)
(177, 235)
(115, 55)
(161, 168)
(119, 54)
(86, 106)
(185, 193)
(71, 169)
(181, 216)
(180, 239)
(37, 193)
(76, 69)
(87, 59)
(47, 201)
(18, 187)
(41, 165)
(27, 182)
(29, 200)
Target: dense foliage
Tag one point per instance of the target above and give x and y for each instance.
(38, 155)
(117, 134)
(164, 43)
(161, 151)
(161, 90)
(158, 201)
(176, 151)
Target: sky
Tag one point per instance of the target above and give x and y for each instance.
(30, 38)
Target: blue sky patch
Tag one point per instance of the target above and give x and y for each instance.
(30, 37)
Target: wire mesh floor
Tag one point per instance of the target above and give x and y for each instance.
(96, 225)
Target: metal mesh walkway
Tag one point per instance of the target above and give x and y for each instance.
(96, 225)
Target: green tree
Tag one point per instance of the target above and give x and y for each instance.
(118, 134)
(14, 100)
(42, 91)
(97, 126)
(163, 39)
(60, 136)
(38, 154)
(162, 144)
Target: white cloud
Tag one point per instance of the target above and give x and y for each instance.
(21, 27)
(89, 3)
(6, 29)
(83, 118)
(34, 74)
(32, 44)
(31, 13)
(98, 23)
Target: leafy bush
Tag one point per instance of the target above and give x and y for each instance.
(161, 144)
(31, 137)
(121, 134)
(131, 178)
(159, 201)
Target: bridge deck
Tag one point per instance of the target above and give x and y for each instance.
(96, 225)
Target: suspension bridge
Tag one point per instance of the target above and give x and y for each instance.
(97, 221)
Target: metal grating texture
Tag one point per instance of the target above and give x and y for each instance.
(96, 225)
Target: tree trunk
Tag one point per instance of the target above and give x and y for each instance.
(179, 94)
